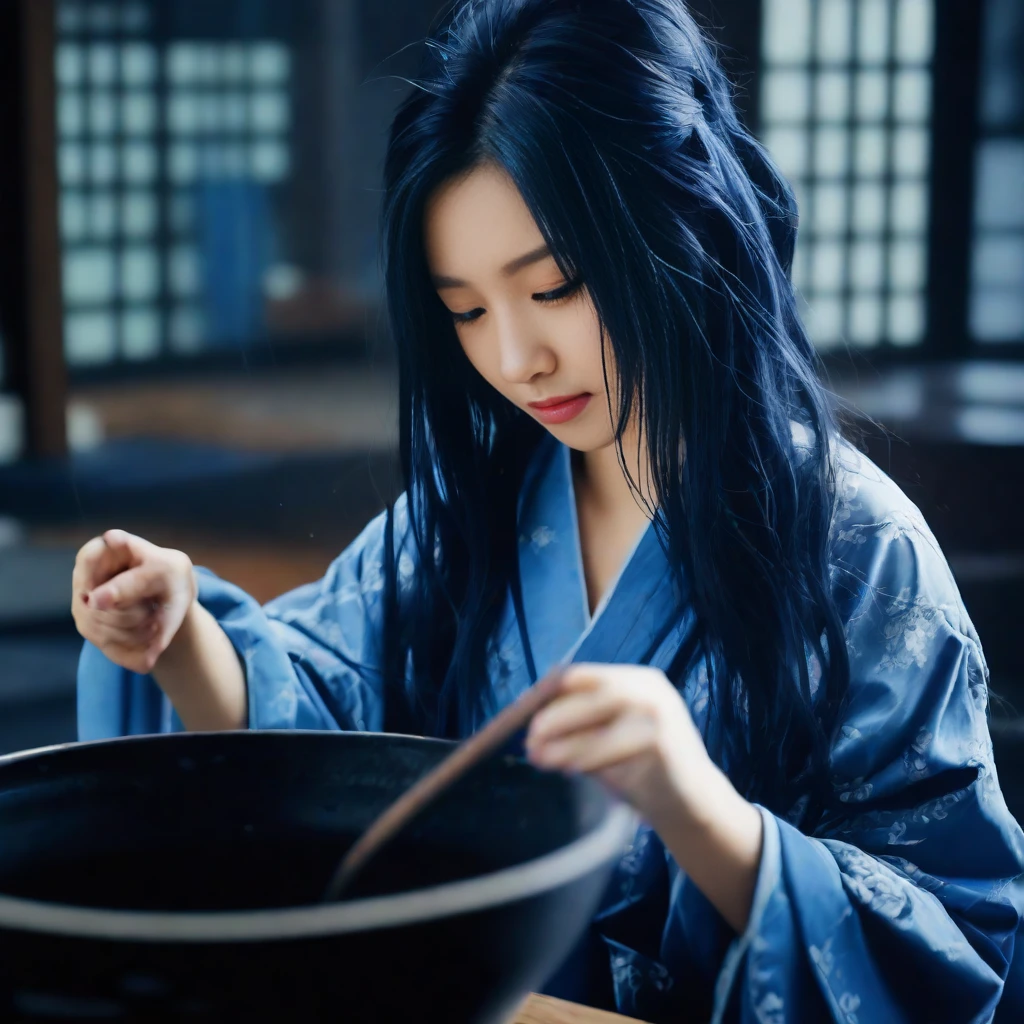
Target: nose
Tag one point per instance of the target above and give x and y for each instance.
(525, 355)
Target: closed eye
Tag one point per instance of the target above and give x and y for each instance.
(555, 295)
(562, 292)
(468, 318)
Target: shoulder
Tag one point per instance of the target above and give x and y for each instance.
(866, 497)
(357, 574)
(883, 551)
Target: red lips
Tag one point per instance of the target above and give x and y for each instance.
(560, 409)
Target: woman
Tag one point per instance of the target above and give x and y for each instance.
(617, 453)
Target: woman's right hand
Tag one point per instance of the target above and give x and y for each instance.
(130, 597)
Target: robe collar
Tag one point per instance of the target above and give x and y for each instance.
(642, 617)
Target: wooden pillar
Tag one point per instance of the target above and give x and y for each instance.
(31, 311)
(736, 25)
(956, 87)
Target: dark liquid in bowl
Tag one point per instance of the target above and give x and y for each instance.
(241, 875)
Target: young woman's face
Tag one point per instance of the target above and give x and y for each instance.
(532, 335)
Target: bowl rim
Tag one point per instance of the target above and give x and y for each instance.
(550, 871)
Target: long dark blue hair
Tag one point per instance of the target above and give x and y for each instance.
(616, 124)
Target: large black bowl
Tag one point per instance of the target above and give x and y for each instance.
(179, 877)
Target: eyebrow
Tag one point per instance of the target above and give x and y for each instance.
(511, 268)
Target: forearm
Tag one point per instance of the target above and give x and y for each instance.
(202, 676)
(718, 845)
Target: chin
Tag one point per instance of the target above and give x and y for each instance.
(581, 439)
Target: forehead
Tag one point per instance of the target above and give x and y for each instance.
(476, 223)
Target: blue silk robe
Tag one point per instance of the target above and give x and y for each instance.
(903, 906)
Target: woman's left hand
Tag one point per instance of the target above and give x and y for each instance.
(628, 726)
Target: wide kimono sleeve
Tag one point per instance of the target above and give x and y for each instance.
(312, 658)
(899, 903)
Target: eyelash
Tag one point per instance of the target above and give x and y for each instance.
(564, 291)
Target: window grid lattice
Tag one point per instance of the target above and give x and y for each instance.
(845, 102)
(144, 126)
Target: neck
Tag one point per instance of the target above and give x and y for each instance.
(607, 486)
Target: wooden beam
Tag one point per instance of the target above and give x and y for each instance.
(31, 308)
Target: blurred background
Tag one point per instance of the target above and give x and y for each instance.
(191, 340)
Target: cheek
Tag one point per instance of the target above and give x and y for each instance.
(596, 341)
(483, 357)
(576, 336)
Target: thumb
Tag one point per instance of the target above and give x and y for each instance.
(126, 549)
(105, 557)
(119, 553)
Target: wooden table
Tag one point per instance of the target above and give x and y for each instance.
(544, 1010)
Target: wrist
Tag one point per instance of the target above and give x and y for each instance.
(718, 816)
(714, 834)
(710, 798)
(183, 640)
(202, 675)
(716, 838)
